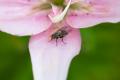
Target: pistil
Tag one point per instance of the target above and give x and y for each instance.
(60, 17)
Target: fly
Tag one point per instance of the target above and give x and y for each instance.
(59, 34)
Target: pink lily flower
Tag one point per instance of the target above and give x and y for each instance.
(54, 29)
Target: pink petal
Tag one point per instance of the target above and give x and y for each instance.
(25, 26)
(15, 18)
(51, 61)
(103, 11)
(23, 1)
(10, 9)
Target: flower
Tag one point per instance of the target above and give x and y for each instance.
(54, 29)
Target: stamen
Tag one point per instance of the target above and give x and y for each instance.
(61, 16)
(43, 6)
(82, 6)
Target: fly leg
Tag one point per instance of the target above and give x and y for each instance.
(56, 42)
(63, 41)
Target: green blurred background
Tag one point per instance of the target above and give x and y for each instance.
(99, 58)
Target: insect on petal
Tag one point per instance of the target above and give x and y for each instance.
(51, 62)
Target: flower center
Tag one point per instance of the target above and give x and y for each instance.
(59, 17)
